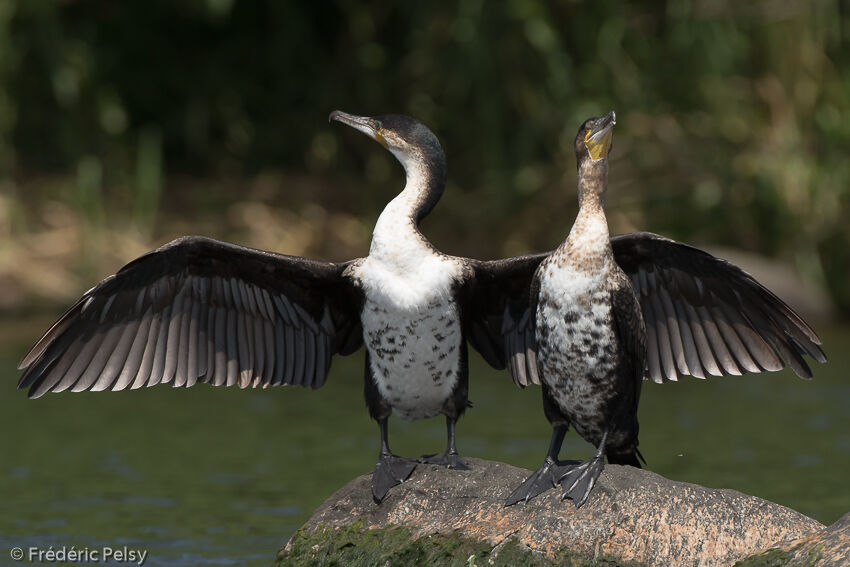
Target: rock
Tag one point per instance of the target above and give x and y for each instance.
(632, 517)
(827, 548)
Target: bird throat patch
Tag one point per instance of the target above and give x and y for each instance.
(379, 137)
(599, 144)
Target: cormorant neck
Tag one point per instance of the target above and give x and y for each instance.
(589, 235)
(398, 224)
(426, 180)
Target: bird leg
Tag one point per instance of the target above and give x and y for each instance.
(390, 469)
(547, 476)
(578, 480)
(450, 459)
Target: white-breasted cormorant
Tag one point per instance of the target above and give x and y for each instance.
(602, 314)
(201, 310)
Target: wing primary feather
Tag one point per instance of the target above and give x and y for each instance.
(235, 294)
(291, 355)
(172, 350)
(233, 346)
(653, 361)
(136, 354)
(309, 359)
(762, 352)
(322, 360)
(674, 331)
(248, 297)
(268, 305)
(223, 293)
(280, 354)
(56, 350)
(519, 354)
(268, 351)
(788, 348)
(300, 354)
(118, 358)
(246, 354)
(261, 303)
(256, 326)
(691, 355)
(519, 377)
(52, 335)
(144, 372)
(205, 361)
(221, 347)
(718, 345)
(204, 287)
(193, 355)
(81, 362)
(109, 339)
(184, 352)
(644, 283)
(787, 323)
(55, 371)
(158, 369)
(704, 349)
(665, 350)
(736, 345)
(531, 360)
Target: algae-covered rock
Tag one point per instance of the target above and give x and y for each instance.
(633, 517)
(827, 548)
(356, 546)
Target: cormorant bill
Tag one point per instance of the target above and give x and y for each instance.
(602, 314)
(201, 310)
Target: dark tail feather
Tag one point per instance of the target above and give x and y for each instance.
(634, 459)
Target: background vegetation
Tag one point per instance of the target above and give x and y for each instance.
(125, 124)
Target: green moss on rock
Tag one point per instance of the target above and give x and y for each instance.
(354, 546)
(782, 558)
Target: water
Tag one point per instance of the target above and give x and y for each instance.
(212, 476)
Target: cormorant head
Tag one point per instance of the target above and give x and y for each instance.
(595, 138)
(409, 140)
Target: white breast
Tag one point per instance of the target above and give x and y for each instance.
(411, 328)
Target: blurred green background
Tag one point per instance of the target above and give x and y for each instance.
(126, 124)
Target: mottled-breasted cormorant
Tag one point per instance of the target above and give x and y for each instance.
(605, 313)
(201, 310)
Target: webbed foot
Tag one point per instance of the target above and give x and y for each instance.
(541, 480)
(390, 471)
(448, 460)
(578, 480)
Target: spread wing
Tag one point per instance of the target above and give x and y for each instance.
(200, 310)
(705, 316)
(500, 315)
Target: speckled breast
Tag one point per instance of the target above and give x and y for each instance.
(577, 345)
(413, 353)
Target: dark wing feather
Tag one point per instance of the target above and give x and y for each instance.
(499, 314)
(201, 310)
(705, 316)
(631, 335)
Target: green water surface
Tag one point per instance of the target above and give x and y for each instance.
(215, 476)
